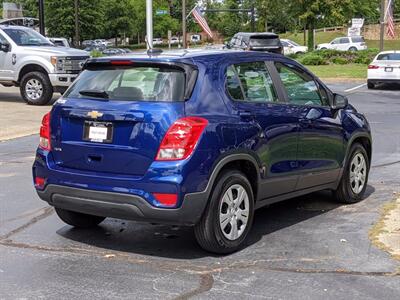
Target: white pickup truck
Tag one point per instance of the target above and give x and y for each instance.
(28, 60)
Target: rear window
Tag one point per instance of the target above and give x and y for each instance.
(265, 41)
(389, 56)
(131, 84)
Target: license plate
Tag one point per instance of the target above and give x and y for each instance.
(98, 132)
(388, 69)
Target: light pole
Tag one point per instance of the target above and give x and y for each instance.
(149, 23)
(77, 37)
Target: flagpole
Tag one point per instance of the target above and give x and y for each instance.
(382, 29)
(191, 11)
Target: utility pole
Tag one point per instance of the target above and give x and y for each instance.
(149, 23)
(382, 21)
(77, 38)
(184, 42)
(41, 18)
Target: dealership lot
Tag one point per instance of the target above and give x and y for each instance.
(306, 248)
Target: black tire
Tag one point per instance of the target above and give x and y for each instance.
(344, 193)
(78, 220)
(370, 85)
(46, 92)
(208, 231)
(353, 49)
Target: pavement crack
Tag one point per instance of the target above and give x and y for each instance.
(46, 212)
(386, 164)
(23, 215)
(206, 284)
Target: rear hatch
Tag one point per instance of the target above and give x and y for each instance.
(388, 65)
(113, 119)
(266, 42)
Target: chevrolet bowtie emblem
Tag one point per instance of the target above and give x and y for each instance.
(94, 114)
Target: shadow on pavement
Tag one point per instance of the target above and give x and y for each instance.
(180, 243)
(387, 87)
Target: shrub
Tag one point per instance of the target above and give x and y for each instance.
(340, 61)
(312, 59)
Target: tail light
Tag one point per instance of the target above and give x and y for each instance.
(44, 141)
(169, 200)
(40, 182)
(372, 67)
(181, 139)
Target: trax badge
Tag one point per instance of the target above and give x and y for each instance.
(94, 114)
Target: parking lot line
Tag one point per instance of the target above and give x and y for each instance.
(355, 88)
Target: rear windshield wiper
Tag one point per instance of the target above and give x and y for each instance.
(94, 93)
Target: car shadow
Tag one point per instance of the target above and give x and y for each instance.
(179, 242)
(387, 87)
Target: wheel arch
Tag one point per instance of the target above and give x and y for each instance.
(365, 140)
(243, 162)
(30, 68)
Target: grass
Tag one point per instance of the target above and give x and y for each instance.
(353, 71)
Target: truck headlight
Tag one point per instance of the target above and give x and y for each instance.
(58, 63)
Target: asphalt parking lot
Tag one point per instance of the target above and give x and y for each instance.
(305, 248)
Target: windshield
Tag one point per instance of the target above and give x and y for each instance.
(132, 84)
(26, 37)
(389, 56)
(294, 44)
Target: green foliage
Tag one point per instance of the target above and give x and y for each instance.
(312, 59)
(329, 57)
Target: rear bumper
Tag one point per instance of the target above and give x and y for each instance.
(389, 81)
(124, 206)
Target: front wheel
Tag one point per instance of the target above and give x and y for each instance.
(78, 220)
(36, 88)
(229, 214)
(354, 181)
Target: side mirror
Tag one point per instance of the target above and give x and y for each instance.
(4, 47)
(339, 102)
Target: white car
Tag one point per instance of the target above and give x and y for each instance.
(347, 43)
(175, 40)
(385, 68)
(158, 41)
(290, 47)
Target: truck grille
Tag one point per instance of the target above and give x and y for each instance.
(73, 65)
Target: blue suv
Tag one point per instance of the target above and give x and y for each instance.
(198, 138)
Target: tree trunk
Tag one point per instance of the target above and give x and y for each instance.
(310, 43)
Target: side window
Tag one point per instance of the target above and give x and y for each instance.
(344, 41)
(233, 84)
(253, 81)
(300, 87)
(3, 39)
(285, 44)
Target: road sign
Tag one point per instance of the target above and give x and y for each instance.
(160, 12)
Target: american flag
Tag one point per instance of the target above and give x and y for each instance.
(390, 21)
(201, 21)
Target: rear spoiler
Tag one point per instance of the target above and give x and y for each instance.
(191, 71)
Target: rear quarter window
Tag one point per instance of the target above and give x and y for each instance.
(358, 39)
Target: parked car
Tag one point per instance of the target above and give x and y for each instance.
(256, 41)
(158, 41)
(28, 60)
(175, 40)
(347, 43)
(385, 68)
(199, 138)
(290, 47)
(60, 42)
(113, 51)
(87, 43)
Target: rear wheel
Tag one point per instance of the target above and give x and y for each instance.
(36, 88)
(229, 214)
(353, 49)
(355, 177)
(79, 220)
